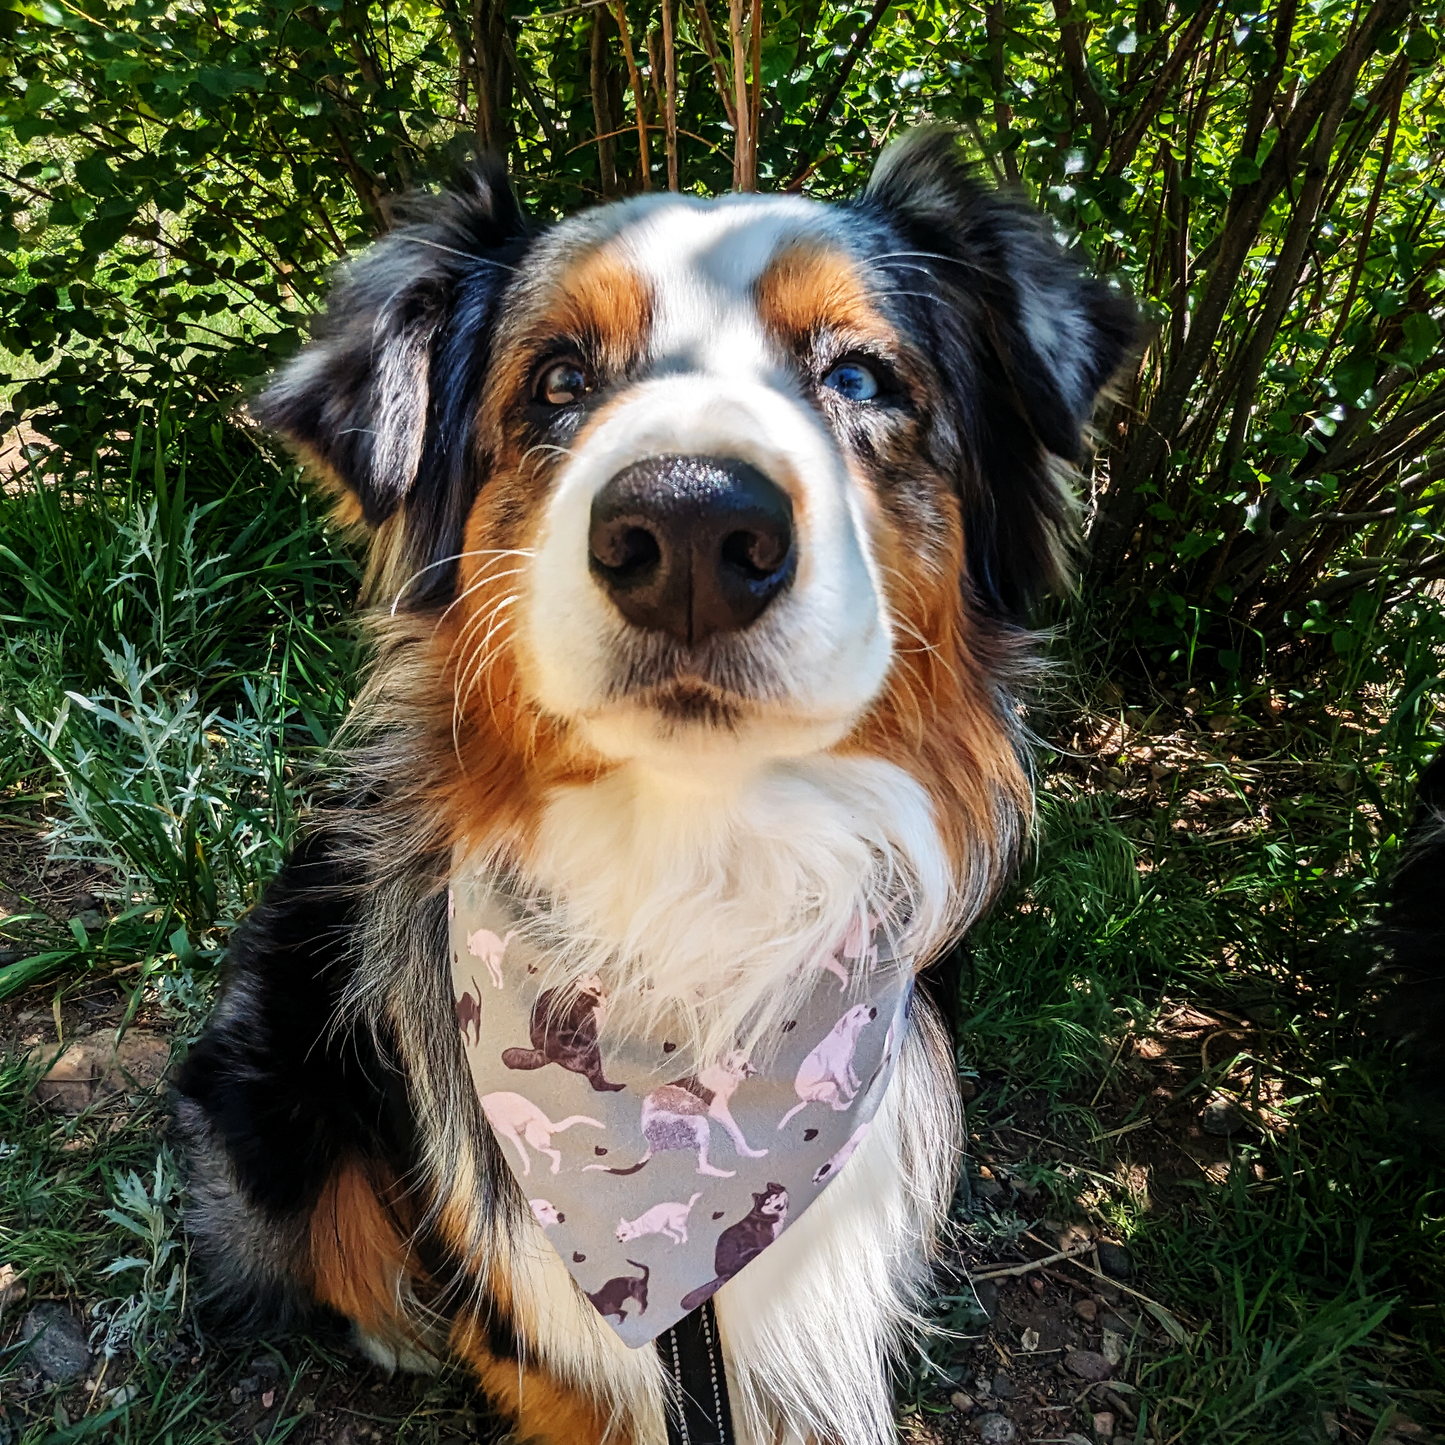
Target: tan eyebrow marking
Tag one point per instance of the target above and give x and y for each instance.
(809, 287)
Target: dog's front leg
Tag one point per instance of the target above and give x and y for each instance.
(725, 1118)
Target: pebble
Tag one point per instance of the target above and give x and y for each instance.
(1087, 1310)
(1104, 1425)
(1113, 1347)
(997, 1430)
(968, 1090)
(60, 1352)
(1221, 1117)
(1088, 1365)
(1003, 1387)
(1116, 1261)
(961, 1401)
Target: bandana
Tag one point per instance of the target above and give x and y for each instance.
(655, 1182)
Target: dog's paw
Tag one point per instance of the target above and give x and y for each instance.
(393, 1354)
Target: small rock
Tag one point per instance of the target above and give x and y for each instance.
(1113, 1347)
(1029, 1340)
(12, 1287)
(968, 1090)
(961, 1401)
(59, 1350)
(1088, 1365)
(1116, 1261)
(997, 1430)
(1087, 1310)
(121, 1395)
(1221, 1117)
(1104, 1425)
(1074, 1438)
(1003, 1387)
(982, 1388)
(268, 1399)
(265, 1365)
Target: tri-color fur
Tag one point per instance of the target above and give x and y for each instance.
(706, 817)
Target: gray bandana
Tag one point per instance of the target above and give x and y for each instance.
(656, 1183)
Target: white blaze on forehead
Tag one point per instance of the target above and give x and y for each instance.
(702, 262)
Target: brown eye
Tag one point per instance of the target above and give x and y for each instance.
(563, 383)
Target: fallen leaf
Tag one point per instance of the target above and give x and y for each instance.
(1172, 1327)
(12, 1287)
(1029, 1340)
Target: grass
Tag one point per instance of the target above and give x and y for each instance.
(1187, 934)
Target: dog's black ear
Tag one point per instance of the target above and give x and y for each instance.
(382, 400)
(1023, 340)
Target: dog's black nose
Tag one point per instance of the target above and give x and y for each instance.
(691, 546)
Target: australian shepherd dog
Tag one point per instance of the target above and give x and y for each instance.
(703, 535)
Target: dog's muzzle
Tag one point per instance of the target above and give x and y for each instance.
(692, 546)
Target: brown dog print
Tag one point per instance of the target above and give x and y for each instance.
(469, 1013)
(565, 1033)
(741, 1243)
(614, 1296)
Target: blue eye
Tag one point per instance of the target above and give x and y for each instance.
(852, 381)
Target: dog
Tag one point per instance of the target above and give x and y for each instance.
(564, 1031)
(669, 1218)
(485, 944)
(704, 537)
(520, 1120)
(827, 1076)
(741, 1243)
(676, 1116)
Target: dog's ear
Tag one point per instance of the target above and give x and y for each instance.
(382, 401)
(1023, 342)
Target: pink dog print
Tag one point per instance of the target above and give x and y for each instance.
(669, 1218)
(485, 944)
(546, 1213)
(519, 1119)
(826, 1076)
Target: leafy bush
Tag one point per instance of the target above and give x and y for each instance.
(1265, 177)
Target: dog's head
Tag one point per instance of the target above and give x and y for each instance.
(696, 485)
